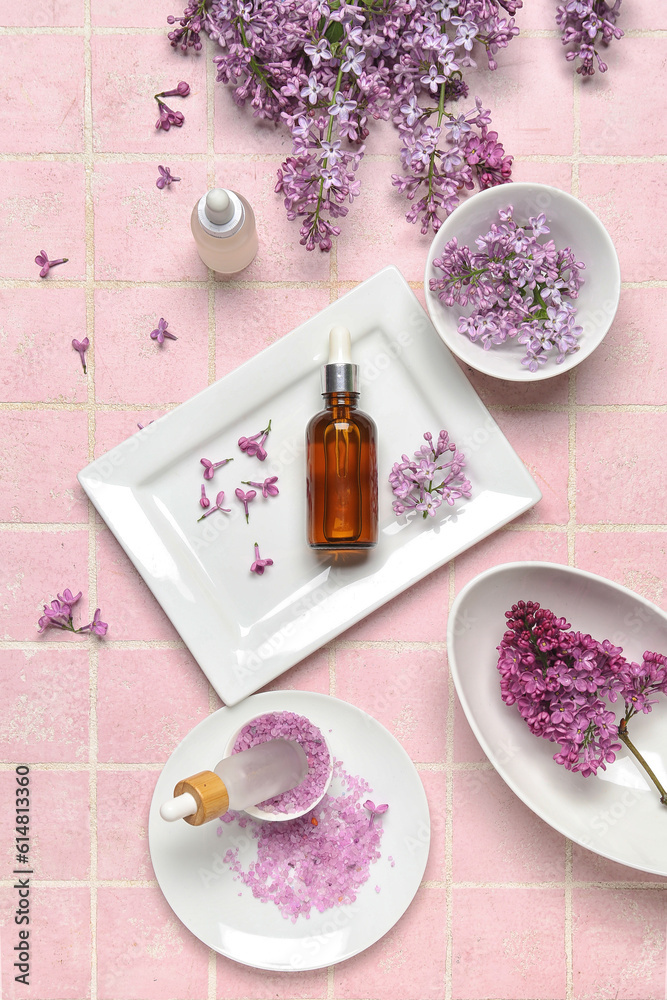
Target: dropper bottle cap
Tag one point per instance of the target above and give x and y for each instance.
(197, 799)
(220, 212)
(340, 374)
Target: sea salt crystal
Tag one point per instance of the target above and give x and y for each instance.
(300, 866)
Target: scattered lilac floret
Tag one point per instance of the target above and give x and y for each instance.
(46, 264)
(302, 867)
(433, 475)
(219, 500)
(162, 333)
(245, 499)
(254, 446)
(259, 565)
(82, 346)
(166, 178)
(203, 499)
(518, 288)
(210, 467)
(96, 626)
(268, 487)
(289, 726)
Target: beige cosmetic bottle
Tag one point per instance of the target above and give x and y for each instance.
(223, 225)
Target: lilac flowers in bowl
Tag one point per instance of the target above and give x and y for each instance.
(603, 798)
(522, 282)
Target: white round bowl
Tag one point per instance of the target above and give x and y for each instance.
(571, 224)
(616, 813)
(279, 817)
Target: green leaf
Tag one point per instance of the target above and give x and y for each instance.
(334, 32)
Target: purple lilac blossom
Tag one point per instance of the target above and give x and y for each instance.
(268, 487)
(59, 615)
(219, 500)
(434, 475)
(245, 499)
(518, 287)
(317, 862)
(254, 446)
(259, 565)
(326, 71)
(561, 682)
(161, 333)
(82, 346)
(585, 24)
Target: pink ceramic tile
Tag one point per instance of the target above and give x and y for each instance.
(607, 964)
(376, 233)
(59, 820)
(617, 120)
(628, 366)
(311, 674)
(510, 546)
(44, 709)
(238, 131)
(65, 14)
(144, 951)
(614, 449)
(405, 690)
(37, 326)
(59, 944)
(112, 427)
(535, 15)
(624, 197)
(147, 701)
(137, 14)
(497, 837)
(54, 125)
(529, 119)
(235, 981)
(540, 438)
(142, 233)
(417, 615)
(435, 786)
(649, 14)
(123, 801)
(132, 368)
(638, 560)
(408, 963)
(590, 867)
(126, 599)
(466, 747)
(37, 566)
(250, 319)
(127, 71)
(280, 256)
(508, 944)
(498, 392)
(43, 209)
(555, 174)
(41, 452)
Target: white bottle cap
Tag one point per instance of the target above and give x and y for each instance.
(178, 808)
(340, 346)
(219, 207)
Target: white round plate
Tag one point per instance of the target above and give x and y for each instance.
(616, 813)
(197, 884)
(572, 224)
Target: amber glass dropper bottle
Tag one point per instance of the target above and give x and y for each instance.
(341, 457)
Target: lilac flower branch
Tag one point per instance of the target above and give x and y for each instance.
(584, 25)
(59, 615)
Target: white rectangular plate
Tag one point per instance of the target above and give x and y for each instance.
(245, 630)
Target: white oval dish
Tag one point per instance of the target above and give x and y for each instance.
(277, 817)
(571, 224)
(615, 814)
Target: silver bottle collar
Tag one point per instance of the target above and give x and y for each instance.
(229, 228)
(340, 377)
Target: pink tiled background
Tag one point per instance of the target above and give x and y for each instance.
(509, 909)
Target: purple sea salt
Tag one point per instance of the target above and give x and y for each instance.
(289, 726)
(301, 866)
